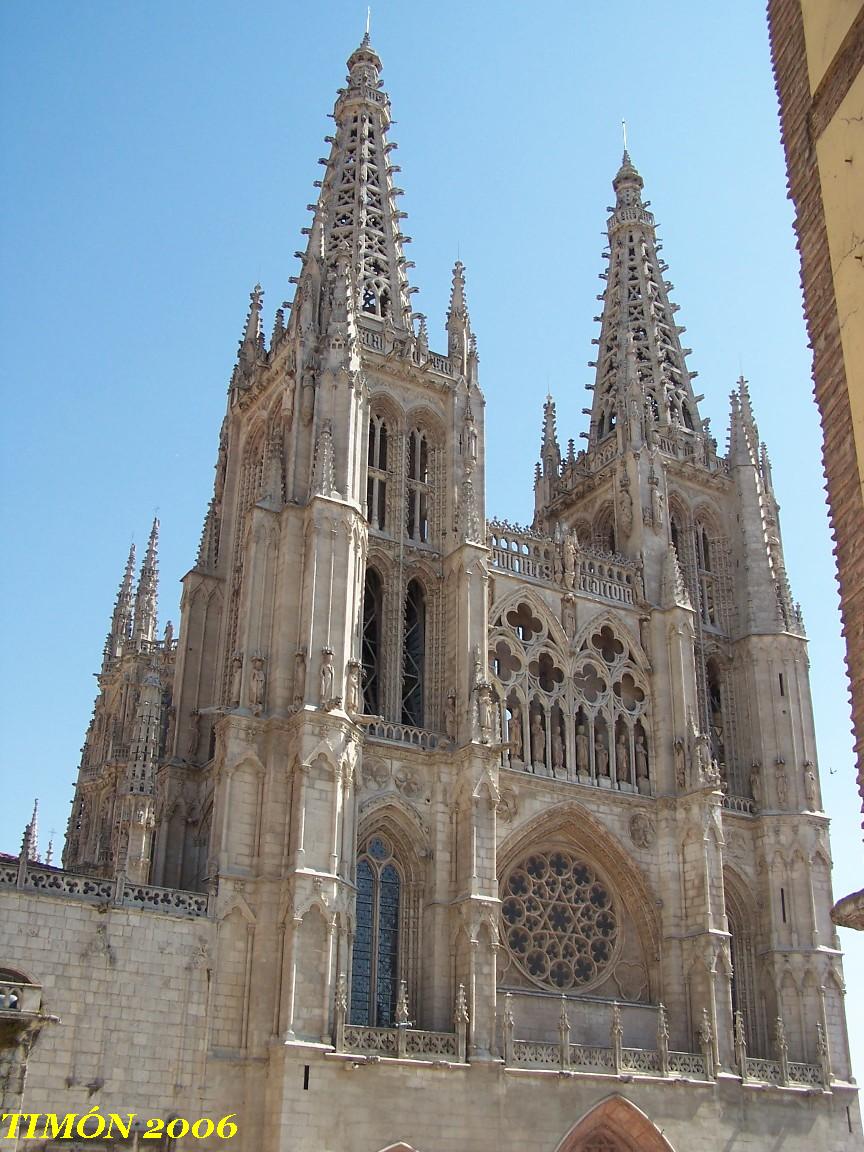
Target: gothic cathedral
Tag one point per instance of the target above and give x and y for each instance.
(525, 817)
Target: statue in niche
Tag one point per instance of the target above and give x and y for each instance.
(641, 755)
(571, 556)
(236, 675)
(657, 507)
(680, 764)
(568, 616)
(307, 403)
(756, 783)
(557, 748)
(516, 732)
(450, 716)
(326, 678)
(581, 749)
(299, 677)
(538, 739)
(622, 759)
(194, 733)
(169, 731)
(288, 401)
(782, 791)
(257, 682)
(810, 789)
(484, 712)
(625, 508)
(557, 564)
(601, 756)
(352, 688)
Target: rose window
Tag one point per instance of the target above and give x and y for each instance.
(559, 920)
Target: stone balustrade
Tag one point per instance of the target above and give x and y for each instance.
(98, 890)
(391, 733)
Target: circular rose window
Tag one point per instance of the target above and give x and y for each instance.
(559, 919)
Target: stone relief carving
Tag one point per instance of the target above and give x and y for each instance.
(257, 685)
(642, 830)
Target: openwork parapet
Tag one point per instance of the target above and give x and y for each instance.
(97, 890)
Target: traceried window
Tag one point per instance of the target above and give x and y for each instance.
(705, 571)
(560, 921)
(376, 475)
(370, 647)
(375, 965)
(417, 519)
(413, 655)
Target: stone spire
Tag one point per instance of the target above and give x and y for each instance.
(637, 325)
(550, 452)
(768, 604)
(121, 618)
(460, 340)
(31, 834)
(144, 627)
(251, 348)
(357, 204)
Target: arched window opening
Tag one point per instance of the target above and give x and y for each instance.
(705, 566)
(652, 404)
(688, 419)
(676, 538)
(376, 473)
(375, 963)
(743, 957)
(413, 655)
(715, 711)
(417, 522)
(601, 426)
(370, 644)
(604, 531)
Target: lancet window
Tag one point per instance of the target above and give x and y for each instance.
(581, 717)
(706, 576)
(417, 519)
(370, 646)
(375, 962)
(413, 655)
(376, 476)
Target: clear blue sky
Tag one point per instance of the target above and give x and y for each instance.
(156, 161)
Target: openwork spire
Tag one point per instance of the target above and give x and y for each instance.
(357, 203)
(148, 583)
(637, 324)
(121, 618)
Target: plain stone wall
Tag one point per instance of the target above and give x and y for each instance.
(130, 989)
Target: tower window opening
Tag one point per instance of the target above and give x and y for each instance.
(413, 655)
(370, 646)
(417, 517)
(376, 473)
(783, 904)
(782, 684)
(707, 586)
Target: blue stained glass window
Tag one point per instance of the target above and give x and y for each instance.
(375, 967)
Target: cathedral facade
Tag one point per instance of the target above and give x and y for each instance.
(432, 832)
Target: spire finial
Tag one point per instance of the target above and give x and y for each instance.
(624, 134)
(368, 23)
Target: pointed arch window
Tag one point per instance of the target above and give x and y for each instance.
(413, 655)
(375, 962)
(705, 571)
(376, 473)
(417, 522)
(370, 642)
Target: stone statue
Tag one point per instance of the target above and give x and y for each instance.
(810, 789)
(352, 688)
(169, 731)
(257, 682)
(703, 756)
(557, 749)
(571, 556)
(657, 506)
(582, 764)
(641, 756)
(168, 638)
(782, 792)
(516, 732)
(326, 675)
(756, 784)
(568, 616)
(538, 739)
(236, 675)
(601, 756)
(680, 764)
(484, 704)
(450, 716)
(299, 677)
(194, 733)
(622, 759)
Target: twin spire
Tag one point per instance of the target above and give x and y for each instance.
(134, 615)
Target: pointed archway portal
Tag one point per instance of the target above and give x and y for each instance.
(615, 1125)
